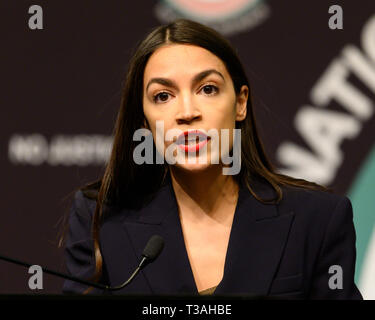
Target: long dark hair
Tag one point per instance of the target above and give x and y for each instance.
(122, 183)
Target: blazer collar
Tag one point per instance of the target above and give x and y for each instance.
(165, 201)
(255, 247)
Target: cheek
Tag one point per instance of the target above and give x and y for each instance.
(158, 125)
(162, 115)
(151, 117)
(222, 116)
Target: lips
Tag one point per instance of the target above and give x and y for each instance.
(192, 140)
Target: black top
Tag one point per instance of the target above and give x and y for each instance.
(283, 250)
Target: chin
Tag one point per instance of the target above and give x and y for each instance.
(194, 167)
(196, 163)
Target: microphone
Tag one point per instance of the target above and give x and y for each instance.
(152, 250)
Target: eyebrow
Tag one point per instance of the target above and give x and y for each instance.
(198, 77)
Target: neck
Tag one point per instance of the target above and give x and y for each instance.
(207, 192)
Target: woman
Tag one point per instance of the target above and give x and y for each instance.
(227, 230)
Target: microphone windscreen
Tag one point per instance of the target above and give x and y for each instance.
(153, 247)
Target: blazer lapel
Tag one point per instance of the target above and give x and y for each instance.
(256, 244)
(255, 247)
(170, 273)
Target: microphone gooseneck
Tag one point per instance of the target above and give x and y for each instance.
(152, 250)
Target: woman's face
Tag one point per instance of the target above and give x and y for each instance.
(188, 88)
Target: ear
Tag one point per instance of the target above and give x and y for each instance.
(241, 104)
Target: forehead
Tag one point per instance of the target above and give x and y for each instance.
(177, 59)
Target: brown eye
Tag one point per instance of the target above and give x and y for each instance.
(209, 89)
(162, 96)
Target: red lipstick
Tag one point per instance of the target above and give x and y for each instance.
(192, 140)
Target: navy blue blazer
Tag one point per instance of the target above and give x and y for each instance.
(283, 250)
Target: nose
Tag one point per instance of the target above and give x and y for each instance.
(187, 111)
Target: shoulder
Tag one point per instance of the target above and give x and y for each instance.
(84, 201)
(298, 196)
(315, 205)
